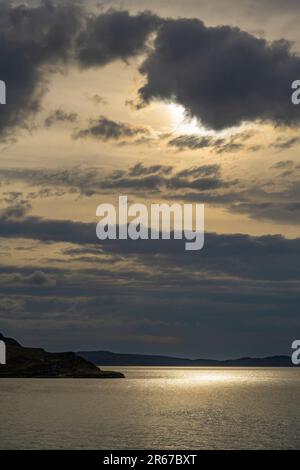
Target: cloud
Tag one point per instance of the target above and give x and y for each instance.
(15, 210)
(33, 41)
(204, 170)
(194, 142)
(37, 278)
(140, 170)
(58, 181)
(202, 178)
(238, 285)
(234, 143)
(273, 247)
(288, 212)
(191, 142)
(203, 183)
(60, 115)
(221, 75)
(47, 230)
(97, 99)
(38, 40)
(200, 184)
(77, 233)
(185, 184)
(284, 165)
(10, 306)
(106, 129)
(285, 144)
(114, 35)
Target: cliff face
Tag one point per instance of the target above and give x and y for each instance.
(37, 363)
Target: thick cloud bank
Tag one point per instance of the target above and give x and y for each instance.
(221, 75)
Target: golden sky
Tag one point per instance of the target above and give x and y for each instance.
(163, 101)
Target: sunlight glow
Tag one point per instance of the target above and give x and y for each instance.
(182, 124)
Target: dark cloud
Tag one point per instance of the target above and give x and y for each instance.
(97, 99)
(15, 210)
(88, 181)
(276, 205)
(283, 165)
(285, 144)
(236, 289)
(114, 35)
(60, 115)
(12, 196)
(152, 181)
(192, 142)
(219, 145)
(32, 42)
(204, 170)
(221, 75)
(73, 180)
(37, 278)
(9, 305)
(275, 248)
(47, 230)
(288, 212)
(200, 184)
(106, 129)
(41, 39)
(237, 284)
(203, 183)
(139, 169)
(202, 178)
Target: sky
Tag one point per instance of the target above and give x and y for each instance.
(164, 101)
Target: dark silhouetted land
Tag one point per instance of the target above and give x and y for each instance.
(37, 363)
(107, 358)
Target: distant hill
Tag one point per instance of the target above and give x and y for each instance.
(36, 363)
(107, 358)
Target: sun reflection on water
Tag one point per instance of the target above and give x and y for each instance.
(208, 377)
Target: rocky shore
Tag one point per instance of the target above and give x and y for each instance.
(37, 363)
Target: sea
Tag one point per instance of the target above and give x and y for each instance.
(155, 408)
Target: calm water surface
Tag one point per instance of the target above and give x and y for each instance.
(154, 408)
